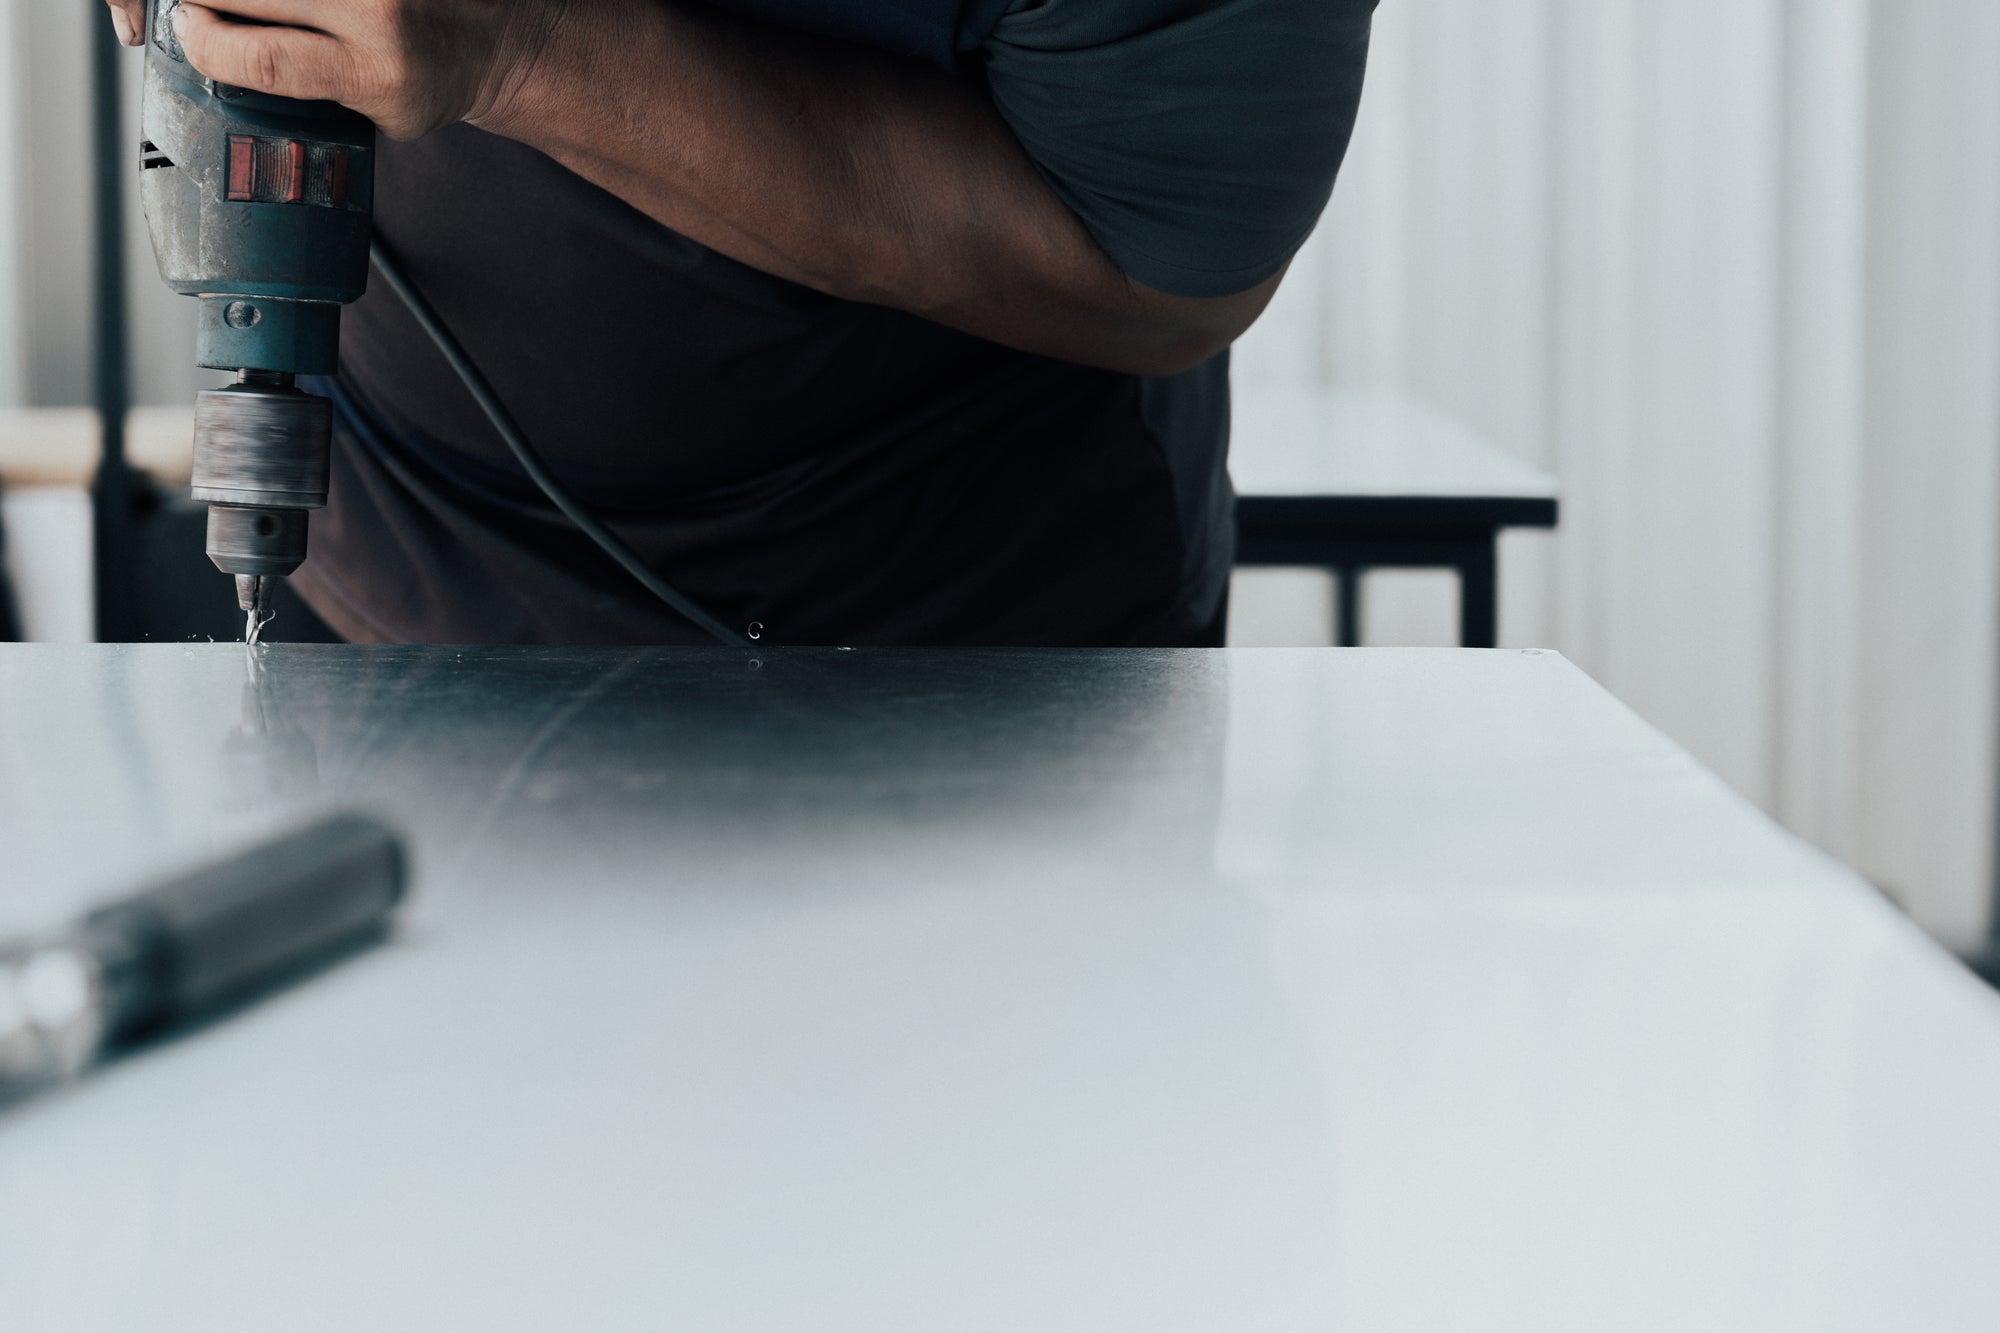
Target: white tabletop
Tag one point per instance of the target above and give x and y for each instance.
(1357, 442)
(1372, 990)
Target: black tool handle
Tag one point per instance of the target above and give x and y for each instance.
(212, 936)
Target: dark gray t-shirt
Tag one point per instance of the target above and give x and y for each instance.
(838, 472)
(1197, 139)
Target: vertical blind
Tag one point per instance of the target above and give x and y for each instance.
(1731, 270)
(13, 358)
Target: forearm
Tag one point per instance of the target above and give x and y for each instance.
(861, 174)
(857, 173)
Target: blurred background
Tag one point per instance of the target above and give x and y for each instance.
(1729, 271)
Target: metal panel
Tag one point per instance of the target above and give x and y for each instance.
(990, 990)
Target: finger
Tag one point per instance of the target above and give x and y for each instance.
(281, 61)
(128, 20)
(308, 14)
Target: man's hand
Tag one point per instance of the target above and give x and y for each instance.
(411, 66)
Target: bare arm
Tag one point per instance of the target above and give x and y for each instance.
(862, 174)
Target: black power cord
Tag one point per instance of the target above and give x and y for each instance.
(531, 462)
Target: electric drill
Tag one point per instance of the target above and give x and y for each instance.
(259, 207)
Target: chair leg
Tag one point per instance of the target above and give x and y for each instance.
(1479, 595)
(10, 617)
(1347, 605)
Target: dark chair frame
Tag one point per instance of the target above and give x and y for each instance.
(1348, 535)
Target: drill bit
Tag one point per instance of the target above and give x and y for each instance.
(253, 595)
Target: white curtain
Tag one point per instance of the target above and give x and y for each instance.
(13, 357)
(1731, 270)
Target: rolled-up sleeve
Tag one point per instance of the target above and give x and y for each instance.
(1198, 140)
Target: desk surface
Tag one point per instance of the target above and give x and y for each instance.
(897, 990)
(1360, 443)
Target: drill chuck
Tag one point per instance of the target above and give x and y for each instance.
(261, 451)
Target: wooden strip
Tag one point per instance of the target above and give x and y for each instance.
(58, 446)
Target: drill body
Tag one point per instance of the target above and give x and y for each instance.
(260, 208)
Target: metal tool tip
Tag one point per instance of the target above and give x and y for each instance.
(253, 595)
(253, 592)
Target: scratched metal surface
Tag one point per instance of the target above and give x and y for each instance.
(899, 990)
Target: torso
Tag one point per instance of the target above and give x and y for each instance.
(837, 472)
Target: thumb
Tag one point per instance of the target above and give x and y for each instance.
(128, 20)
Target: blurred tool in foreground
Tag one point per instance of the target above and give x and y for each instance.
(193, 945)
